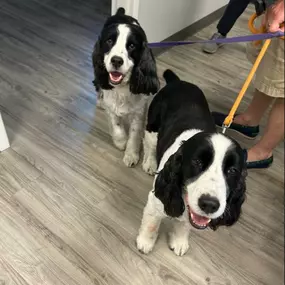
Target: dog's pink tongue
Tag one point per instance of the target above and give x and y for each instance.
(199, 220)
(115, 76)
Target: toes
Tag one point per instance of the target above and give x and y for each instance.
(145, 245)
(181, 249)
(149, 166)
(179, 245)
(131, 159)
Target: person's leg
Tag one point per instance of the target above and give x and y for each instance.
(270, 81)
(273, 135)
(253, 114)
(233, 11)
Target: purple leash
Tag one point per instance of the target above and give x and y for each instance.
(249, 38)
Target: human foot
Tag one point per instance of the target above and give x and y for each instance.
(213, 47)
(257, 158)
(250, 132)
(255, 154)
(243, 119)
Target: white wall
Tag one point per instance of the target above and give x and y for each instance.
(163, 18)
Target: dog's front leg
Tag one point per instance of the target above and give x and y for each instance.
(152, 216)
(132, 153)
(149, 164)
(179, 237)
(100, 99)
(118, 131)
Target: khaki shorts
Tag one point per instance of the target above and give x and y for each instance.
(269, 77)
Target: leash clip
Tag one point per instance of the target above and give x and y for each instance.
(227, 123)
(224, 128)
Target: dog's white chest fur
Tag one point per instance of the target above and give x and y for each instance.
(122, 102)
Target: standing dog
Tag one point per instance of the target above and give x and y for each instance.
(125, 72)
(200, 179)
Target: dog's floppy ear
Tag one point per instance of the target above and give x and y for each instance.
(100, 72)
(168, 186)
(234, 204)
(144, 79)
(121, 11)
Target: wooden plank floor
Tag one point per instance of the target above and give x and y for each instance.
(69, 208)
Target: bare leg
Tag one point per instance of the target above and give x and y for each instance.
(152, 216)
(273, 135)
(118, 132)
(253, 114)
(179, 238)
(149, 164)
(274, 132)
(132, 153)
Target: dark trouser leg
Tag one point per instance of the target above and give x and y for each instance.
(233, 11)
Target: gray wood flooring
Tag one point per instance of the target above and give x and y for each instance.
(69, 208)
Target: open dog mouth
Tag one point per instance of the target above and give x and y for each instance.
(116, 77)
(197, 221)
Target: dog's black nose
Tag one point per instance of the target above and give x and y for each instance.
(117, 61)
(208, 204)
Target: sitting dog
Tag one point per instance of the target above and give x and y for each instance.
(200, 179)
(125, 74)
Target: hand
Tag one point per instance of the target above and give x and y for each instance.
(274, 17)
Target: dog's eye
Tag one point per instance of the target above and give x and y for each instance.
(231, 171)
(131, 46)
(198, 163)
(109, 42)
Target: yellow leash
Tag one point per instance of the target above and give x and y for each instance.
(229, 119)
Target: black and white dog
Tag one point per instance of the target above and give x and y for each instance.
(125, 73)
(201, 174)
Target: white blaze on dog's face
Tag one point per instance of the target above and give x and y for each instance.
(121, 55)
(207, 194)
(118, 59)
(208, 170)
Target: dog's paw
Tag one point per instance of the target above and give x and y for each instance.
(120, 143)
(149, 165)
(120, 139)
(145, 244)
(131, 159)
(179, 245)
